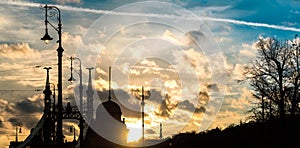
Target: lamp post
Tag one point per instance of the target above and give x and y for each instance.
(47, 38)
(80, 81)
(18, 125)
(80, 94)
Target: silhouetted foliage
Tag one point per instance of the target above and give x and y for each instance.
(272, 133)
(274, 76)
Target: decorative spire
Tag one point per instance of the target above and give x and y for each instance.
(90, 93)
(90, 76)
(47, 93)
(109, 84)
(47, 109)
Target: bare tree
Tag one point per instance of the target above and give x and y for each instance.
(274, 76)
(295, 76)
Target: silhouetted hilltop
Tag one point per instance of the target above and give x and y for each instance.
(270, 134)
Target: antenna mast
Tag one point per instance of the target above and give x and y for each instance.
(109, 83)
(143, 114)
(160, 131)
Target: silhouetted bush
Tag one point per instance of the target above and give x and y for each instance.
(271, 134)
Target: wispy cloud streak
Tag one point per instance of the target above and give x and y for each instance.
(87, 10)
(238, 22)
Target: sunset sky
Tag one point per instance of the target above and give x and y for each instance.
(188, 54)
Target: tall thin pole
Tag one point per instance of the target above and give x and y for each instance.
(109, 84)
(143, 120)
(160, 131)
(16, 133)
(80, 88)
(74, 138)
(18, 124)
(59, 50)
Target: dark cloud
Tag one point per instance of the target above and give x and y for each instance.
(196, 36)
(14, 120)
(200, 109)
(25, 112)
(150, 131)
(149, 95)
(213, 87)
(166, 107)
(138, 95)
(1, 122)
(27, 121)
(203, 97)
(155, 96)
(122, 98)
(27, 106)
(187, 105)
(22, 112)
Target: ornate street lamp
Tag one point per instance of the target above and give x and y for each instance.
(18, 130)
(56, 12)
(80, 81)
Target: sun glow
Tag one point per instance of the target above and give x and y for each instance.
(135, 131)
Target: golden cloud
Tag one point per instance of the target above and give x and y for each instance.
(18, 51)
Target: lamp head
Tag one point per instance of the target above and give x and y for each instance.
(71, 79)
(71, 129)
(20, 130)
(46, 38)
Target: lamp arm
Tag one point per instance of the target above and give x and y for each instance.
(52, 26)
(75, 58)
(76, 71)
(52, 14)
(58, 11)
